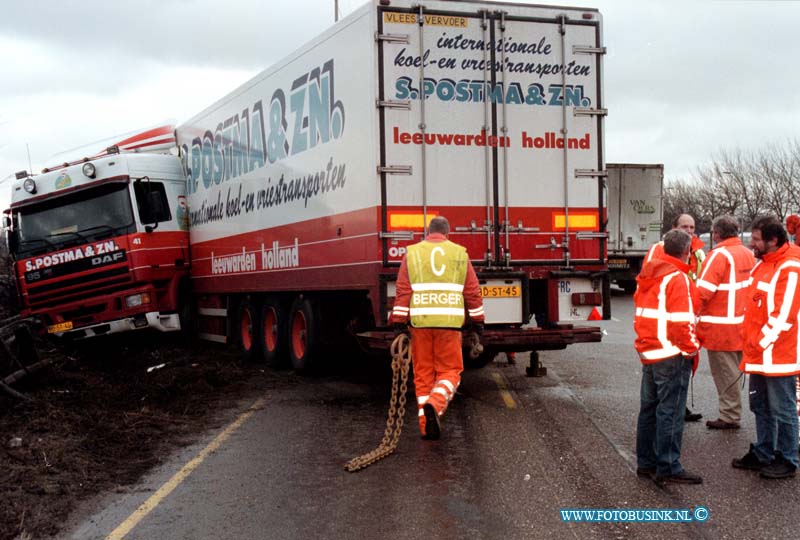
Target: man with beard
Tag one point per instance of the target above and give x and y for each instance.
(770, 351)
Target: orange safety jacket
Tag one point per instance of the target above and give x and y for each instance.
(664, 315)
(722, 289)
(471, 292)
(770, 318)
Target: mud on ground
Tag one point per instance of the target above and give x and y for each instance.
(99, 420)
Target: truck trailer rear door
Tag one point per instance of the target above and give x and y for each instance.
(438, 139)
(492, 117)
(550, 175)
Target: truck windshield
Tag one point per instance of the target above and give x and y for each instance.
(80, 217)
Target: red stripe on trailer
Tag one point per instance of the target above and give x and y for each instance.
(149, 134)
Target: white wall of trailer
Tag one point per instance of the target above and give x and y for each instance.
(634, 207)
(457, 106)
(316, 111)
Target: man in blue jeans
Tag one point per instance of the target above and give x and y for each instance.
(667, 346)
(770, 350)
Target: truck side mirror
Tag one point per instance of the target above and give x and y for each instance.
(11, 236)
(6, 222)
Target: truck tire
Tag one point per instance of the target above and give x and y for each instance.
(274, 335)
(303, 333)
(187, 316)
(483, 359)
(248, 330)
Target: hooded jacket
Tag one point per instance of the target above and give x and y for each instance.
(696, 256)
(771, 315)
(664, 313)
(722, 288)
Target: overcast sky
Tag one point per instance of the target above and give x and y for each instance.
(683, 79)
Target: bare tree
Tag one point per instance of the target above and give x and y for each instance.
(739, 183)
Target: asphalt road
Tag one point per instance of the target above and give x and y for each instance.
(506, 466)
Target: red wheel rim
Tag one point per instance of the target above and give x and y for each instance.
(270, 329)
(247, 330)
(299, 332)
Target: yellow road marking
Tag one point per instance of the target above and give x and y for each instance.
(149, 505)
(504, 393)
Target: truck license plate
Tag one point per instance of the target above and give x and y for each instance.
(60, 327)
(500, 291)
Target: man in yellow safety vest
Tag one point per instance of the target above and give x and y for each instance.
(435, 284)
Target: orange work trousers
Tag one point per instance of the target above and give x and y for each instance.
(436, 355)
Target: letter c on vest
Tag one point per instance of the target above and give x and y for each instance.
(433, 263)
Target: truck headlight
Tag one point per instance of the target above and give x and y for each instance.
(89, 170)
(136, 300)
(29, 186)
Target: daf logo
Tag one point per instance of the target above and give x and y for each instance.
(108, 259)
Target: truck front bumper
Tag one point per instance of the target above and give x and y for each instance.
(153, 319)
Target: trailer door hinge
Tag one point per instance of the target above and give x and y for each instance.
(393, 104)
(585, 173)
(392, 38)
(585, 49)
(553, 245)
(394, 169)
(588, 235)
(398, 235)
(585, 111)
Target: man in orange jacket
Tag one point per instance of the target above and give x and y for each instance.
(722, 288)
(685, 223)
(435, 284)
(769, 356)
(667, 346)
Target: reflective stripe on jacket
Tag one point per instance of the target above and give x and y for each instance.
(770, 319)
(435, 282)
(722, 287)
(664, 314)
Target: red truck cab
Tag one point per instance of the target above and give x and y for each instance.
(102, 245)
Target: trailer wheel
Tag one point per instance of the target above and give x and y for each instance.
(273, 333)
(483, 359)
(303, 333)
(248, 330)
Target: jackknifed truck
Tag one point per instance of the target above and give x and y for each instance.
(276, 219)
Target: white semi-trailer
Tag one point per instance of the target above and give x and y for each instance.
(306, 184)
(635, 214)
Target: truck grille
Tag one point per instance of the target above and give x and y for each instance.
(75, 288)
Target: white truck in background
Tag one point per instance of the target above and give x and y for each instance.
(635, 214)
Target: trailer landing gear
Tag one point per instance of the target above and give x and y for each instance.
(536, 369)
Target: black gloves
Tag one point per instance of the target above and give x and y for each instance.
(477, 327)
(400, 328)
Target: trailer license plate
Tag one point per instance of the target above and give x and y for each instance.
(60, 327)
(618, 263)
(500, 291)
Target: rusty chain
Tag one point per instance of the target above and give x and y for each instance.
(401, 362)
